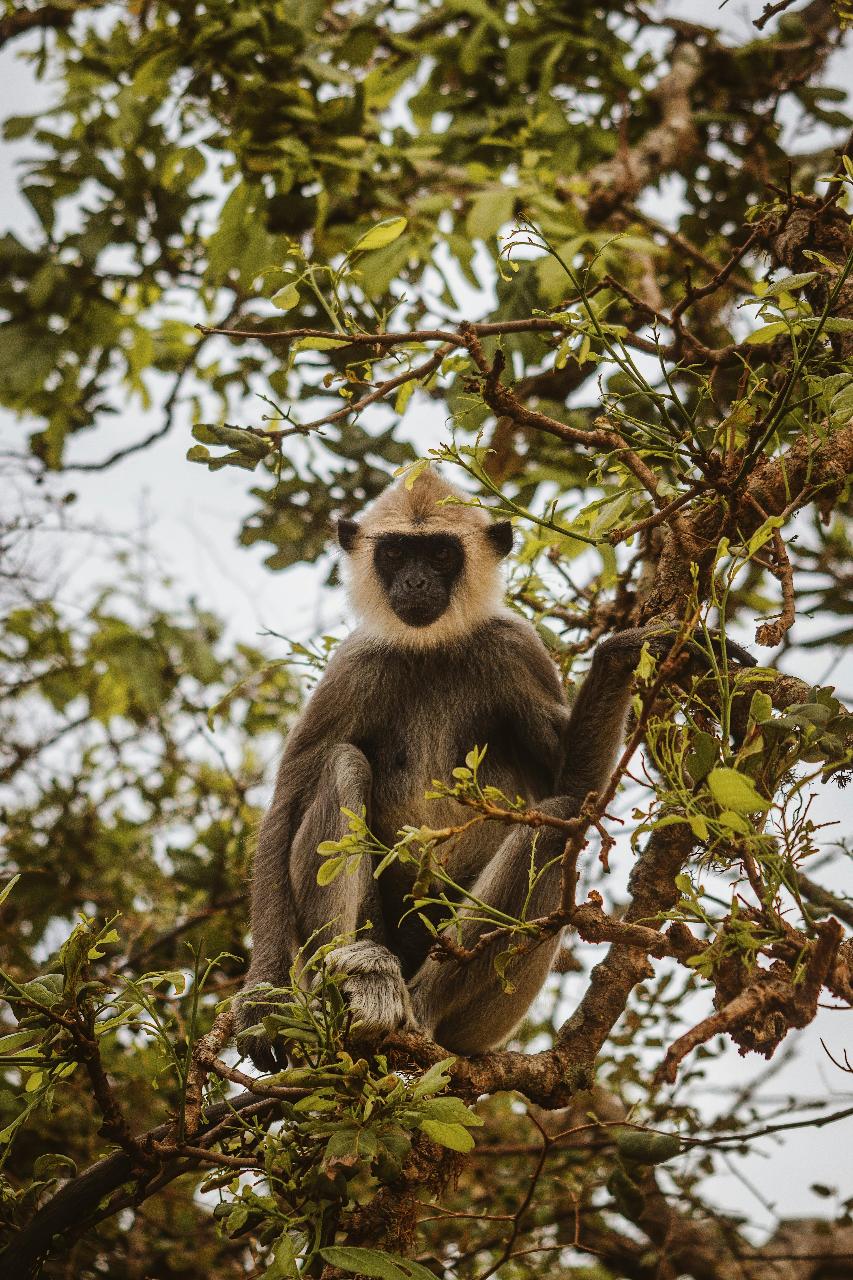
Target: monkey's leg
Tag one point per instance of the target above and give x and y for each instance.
(285, 908)
(464, 1006)
(373, 982)
(373, 985)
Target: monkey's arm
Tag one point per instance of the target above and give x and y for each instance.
(292, 914)
(309, 791)
(595, 725)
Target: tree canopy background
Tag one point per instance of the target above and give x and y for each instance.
(597, 261)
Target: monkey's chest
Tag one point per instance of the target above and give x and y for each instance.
(406, 768)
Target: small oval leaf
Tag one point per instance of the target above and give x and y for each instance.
(287, 298)
(734, 790)
(383, 233)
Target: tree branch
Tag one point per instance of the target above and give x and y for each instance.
(49, 17)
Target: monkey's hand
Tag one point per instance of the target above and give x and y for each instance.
(625, 646)
(374, 989)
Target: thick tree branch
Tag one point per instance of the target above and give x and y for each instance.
(48, 17)
(809, 471)
(76, 1203)
(664, 147)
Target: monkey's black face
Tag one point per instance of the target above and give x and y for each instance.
(418, 573)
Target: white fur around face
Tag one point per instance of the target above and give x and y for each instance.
(478, 592)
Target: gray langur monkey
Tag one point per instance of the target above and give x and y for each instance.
(436, 665)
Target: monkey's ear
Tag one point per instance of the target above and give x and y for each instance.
(500, 536)
(347, 534)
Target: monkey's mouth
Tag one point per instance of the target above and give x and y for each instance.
(419, 613)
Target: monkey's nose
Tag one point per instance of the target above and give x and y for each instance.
(415, 582)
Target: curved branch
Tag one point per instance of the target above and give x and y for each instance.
(74, 1206)
(49, 17)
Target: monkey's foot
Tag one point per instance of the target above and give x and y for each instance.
(267, 1055)
(374, 989)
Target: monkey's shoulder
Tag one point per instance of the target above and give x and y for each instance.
(505, 646)
(500, 674)
(513, 644)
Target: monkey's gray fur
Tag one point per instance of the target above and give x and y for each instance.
(436, 665)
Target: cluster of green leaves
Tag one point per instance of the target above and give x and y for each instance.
(348, 1135)
(289, 124)
(439, 901)
(108, 751)
(352, 1132)
(739, 773)
(127, 834)
(67, 1015)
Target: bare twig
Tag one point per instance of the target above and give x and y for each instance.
(768, 992)
(773, 633)
(769, 11)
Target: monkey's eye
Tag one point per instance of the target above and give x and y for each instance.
(392, 554)
(444, 557)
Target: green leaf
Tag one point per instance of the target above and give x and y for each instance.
(763, 534)
(414, 1270)
(454, 1136)
(320, 344)
(175, 977)
(761, 707)
(404, 395)
(734, 822)
(255, 444)
(45, 990)
(383, 233)
(411, 473)
(647, 1148)
(734, 790)
(330, 869)
(768, 332)
(838, 324)
(51, 1163)
(807, 713)
(790, 283)
(287, 298)
(284, 1264)
(434, 1079)
(109, 698)
(373, 1262)
(9, 1045)
(489, 211)
(841, 404)
(701, 759)
(7, 889)
(451, 1111)
(15, 127)
(647, 665)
